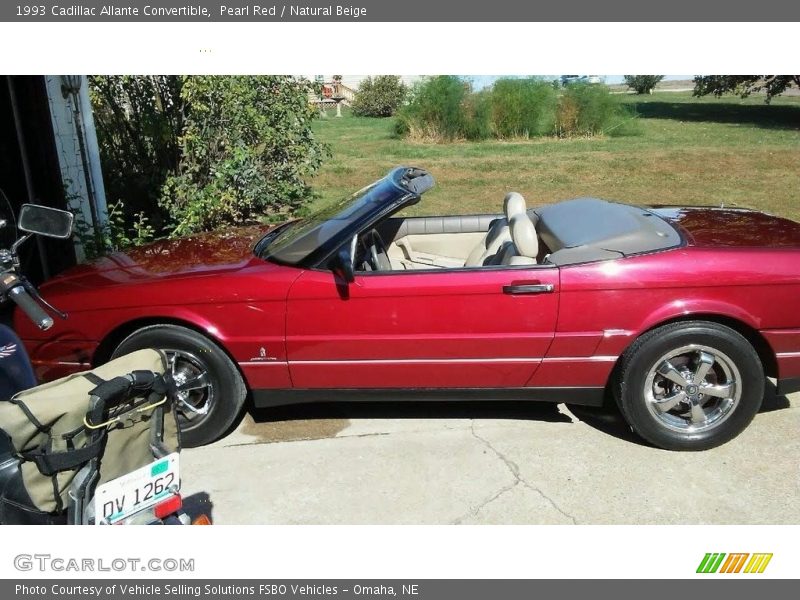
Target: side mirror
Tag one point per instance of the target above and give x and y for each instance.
(42, 220)
(343, 263)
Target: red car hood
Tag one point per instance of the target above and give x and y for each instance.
(732, 227)
(210, 253)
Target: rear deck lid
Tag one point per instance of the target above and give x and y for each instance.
(732, 227)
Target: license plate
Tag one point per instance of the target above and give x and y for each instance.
(124, 496)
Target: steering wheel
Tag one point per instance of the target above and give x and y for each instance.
(377, 256)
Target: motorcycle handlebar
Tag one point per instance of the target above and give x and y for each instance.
(30, 307)
(116, 390)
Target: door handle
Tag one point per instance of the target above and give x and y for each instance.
(529, 288)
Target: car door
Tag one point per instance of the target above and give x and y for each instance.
(445, 328)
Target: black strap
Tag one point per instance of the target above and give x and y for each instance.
(50, 463)
(157, 431)
(113, 391)
(31, 417)
(92, 378)
(57, 493)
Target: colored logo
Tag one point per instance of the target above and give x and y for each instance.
(7, 350)
(738, 562)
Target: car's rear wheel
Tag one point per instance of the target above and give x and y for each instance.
(690, 386)
(211, 391)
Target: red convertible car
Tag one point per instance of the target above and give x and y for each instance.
(681, 313)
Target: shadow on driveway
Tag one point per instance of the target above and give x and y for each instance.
(489, 409)
(326, 420)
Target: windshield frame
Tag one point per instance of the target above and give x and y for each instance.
(404, 189)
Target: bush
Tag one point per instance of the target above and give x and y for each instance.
(589, 109)
(194, 153)
(523, 107)
(117, 233)
(138, 119)
(478, 115)
(435, 110)
(443, 108)
(643, 84)
(379, 97)
(246, 148)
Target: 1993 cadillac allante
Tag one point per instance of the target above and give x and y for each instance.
(680, 313)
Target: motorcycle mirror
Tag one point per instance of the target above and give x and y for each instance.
(46, 221)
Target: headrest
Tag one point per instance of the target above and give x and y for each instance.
(513, 204)
(523, 234)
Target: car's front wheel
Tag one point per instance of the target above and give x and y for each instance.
(690, 386)
(211, 391)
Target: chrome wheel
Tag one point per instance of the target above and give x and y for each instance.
(692, 389)
(195, 391)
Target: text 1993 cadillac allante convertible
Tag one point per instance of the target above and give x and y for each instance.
(681, 313)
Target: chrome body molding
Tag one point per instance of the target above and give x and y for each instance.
(429, 361)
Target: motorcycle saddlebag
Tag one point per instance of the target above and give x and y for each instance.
(57, 428)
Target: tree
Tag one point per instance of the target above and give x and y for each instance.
(379, 97)
(184, 153)
(138, 119)
(643, 84)
(247, 148)
(744, 85)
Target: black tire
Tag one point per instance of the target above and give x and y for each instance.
(663, 429)
(227, 391)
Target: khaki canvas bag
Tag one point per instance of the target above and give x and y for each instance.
(58, 427)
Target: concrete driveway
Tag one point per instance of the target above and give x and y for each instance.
(520, 463)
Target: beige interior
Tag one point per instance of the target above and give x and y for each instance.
(498, 234)
(524, 246)
(509, 239)
(425, 251)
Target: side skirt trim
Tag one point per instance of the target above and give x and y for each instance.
(585, 396)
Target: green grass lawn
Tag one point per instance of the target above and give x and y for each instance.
(690, 151)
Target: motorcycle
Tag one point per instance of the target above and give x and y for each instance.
(120, 413)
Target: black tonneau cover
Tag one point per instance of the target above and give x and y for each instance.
(590, 229)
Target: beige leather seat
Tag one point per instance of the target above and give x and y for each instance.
(498, 234)
(524, 246)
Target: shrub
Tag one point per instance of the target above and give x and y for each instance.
(523, 107)
(443, 108)
(194, 153)
(567, 116)
(379, 97)
(587, 110)
(478, 115)
(643, 84)
(138, 119)
(436, 109)
(117, 233)
(247, 147)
